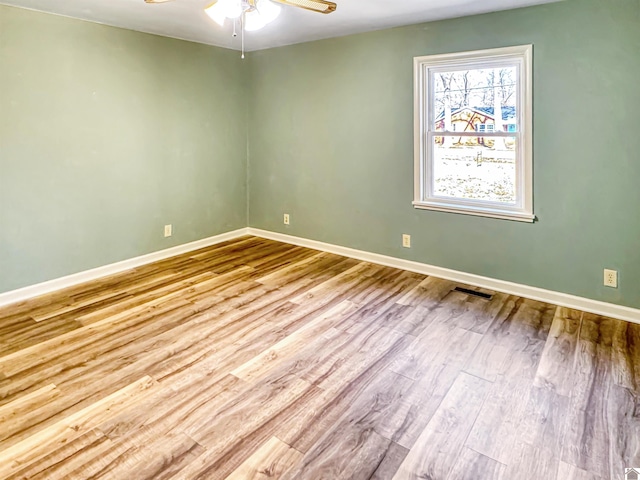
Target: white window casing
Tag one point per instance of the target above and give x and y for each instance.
(518, 57)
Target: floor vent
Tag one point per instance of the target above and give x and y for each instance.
(473, 292)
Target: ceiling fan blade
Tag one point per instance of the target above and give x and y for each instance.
(321, 6)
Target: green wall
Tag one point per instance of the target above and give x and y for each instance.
(331, 143)
(106, 135)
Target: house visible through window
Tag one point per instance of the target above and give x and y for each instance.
(485, 128)
(473, 133)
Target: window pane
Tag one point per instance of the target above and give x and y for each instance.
(475, 168)
(477, 100)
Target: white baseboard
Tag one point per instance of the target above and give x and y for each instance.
(526, 291)
(49, 286)
(556, 298)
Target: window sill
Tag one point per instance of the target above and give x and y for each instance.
(477, 211)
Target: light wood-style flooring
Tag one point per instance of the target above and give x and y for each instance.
(254, 359)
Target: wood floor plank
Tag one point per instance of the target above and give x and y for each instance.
(233, 344)
(17, 416)
(357, 443)
(292, 271)
(242, 425)
(472, 465)
(323, 409)
(265, 265)
(350, 458)
(534, 462)
(253, 406)
(626, 355)
(500, 422)
(428, 293)
(387, 286)
(150, 457)
(14, 322)
(63, 461)
(442, 341)
(164, 408)
(260, 365)
(213, 465)
(338, 285)
(406, 319)
(623, 408)
(479, 313)
(420, 403)
(26, 403)
(272, 460)
(436, 451)
(70, 342)
(570, 472)
(367, 412)
(35, 333)
(309, 271)
(122, 296)
(32, 449)
(362, 351)
(513, 344)
(560, 349)
(543, 421)
(251, 338)
(378, 299)
(117, 293)
(140, 303)
(393, 458)
(522, 319)
(99, 352)
(589, 428)
(513, 404)
(488, 360)
(257, 359)
(343, 356)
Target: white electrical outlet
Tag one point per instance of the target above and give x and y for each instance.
(610, 278)
(168, 230)
(406, 240)
(286, 219)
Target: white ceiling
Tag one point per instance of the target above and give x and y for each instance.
(185, 18)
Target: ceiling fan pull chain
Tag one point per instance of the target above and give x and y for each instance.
(242, 33)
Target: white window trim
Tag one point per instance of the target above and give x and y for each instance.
(523, 210)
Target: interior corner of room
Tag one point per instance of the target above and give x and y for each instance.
(108, 135)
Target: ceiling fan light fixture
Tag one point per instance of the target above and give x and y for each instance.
(255, 14)
(253, 21)
(216, 13)
(268, 10)
(231, 8)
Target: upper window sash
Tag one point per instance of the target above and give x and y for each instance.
(429, 72)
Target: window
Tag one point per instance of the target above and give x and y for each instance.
(486, 170)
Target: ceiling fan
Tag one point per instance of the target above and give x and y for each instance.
(255, 14)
